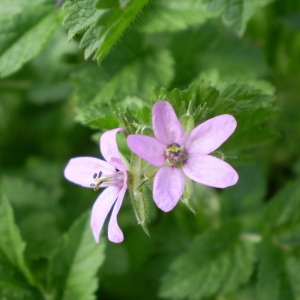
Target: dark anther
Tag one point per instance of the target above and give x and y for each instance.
(92, 184)
(95, 176)
(100, 174)
(173, 144)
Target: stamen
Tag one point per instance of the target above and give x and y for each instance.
(174, 149)
(97, 175)
(96, 186)
(114, 180)
(175, 154)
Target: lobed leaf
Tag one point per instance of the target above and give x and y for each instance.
(100, 23)
(75, 262)
(218, 262)
(276, 276)
(98, 90)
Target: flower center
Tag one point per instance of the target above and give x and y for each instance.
(175, 155)
(116, 179)
(97, 181)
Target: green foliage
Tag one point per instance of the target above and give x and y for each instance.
(97, 90)
(283, 211)
(236, 13)
(100, 22)
(13, 285)
(75, 262)
(24, 34)
(35, 200)
(172, 15)
(11, 242)
(279, 251)
(253, 185)
(277, 278)
(218, 261)
(17, 281)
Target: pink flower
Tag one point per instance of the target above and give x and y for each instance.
(111, 174)
(179, 154)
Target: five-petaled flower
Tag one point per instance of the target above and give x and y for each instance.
(179, 154)
(95, 173)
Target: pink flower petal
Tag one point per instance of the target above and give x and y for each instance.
(101, 209)
(210, 170)
(148, 148)
(115, 234)
(209, 135)
(168, 187)
(109, 148)
(80, 170)
(166, 126)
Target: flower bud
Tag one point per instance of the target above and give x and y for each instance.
(187, 194)
(138, 192)
(187, 122)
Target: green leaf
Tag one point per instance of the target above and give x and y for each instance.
(11, 243)
(252, 109)
(26, 194)
(97, 91)
(23, 35)
(252, 185)
(12, 7)
(293, 266)
(283, 210)
(13, 285)
(36, 202)
(33, 227)
(276, 279)
(100, 23)
(219, 261)
(172, 15)
(75, 262)
(236, 13)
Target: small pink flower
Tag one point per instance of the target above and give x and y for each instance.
(95, 173)
(179, 154)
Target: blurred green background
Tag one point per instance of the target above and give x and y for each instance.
(44, 122)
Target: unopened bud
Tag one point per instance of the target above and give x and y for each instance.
(187, 122)
(187, 194)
